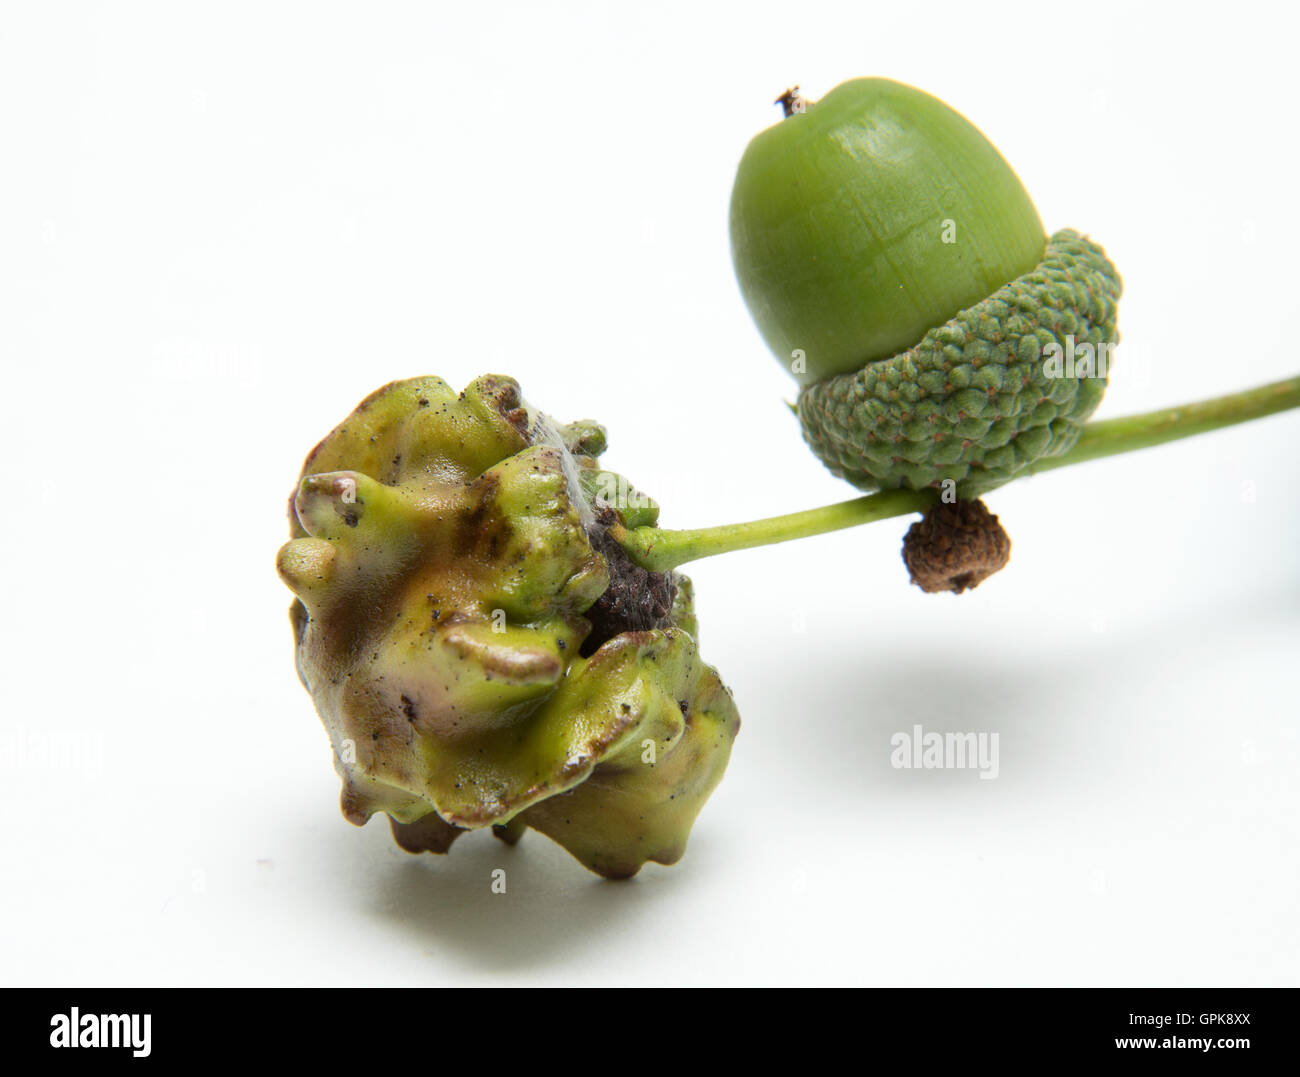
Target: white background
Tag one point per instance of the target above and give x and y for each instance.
(221, 226)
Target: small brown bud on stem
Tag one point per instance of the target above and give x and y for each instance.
(955, 547)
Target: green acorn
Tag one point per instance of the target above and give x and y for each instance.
(894, 263)
(481, 652)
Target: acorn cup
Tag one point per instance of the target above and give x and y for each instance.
(480, 651)
(894, 263)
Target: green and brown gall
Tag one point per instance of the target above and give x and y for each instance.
(480, 651)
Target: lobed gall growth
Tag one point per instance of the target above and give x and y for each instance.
(479, 650)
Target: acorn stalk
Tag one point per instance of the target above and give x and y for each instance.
(663, 549)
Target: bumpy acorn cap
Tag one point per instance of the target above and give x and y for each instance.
(980, 398)
(955, 546)
(478, 650)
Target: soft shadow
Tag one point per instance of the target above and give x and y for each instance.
(551, 905)
(1010, 689)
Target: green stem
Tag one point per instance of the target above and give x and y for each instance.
(1109, 437)
(658, 549)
